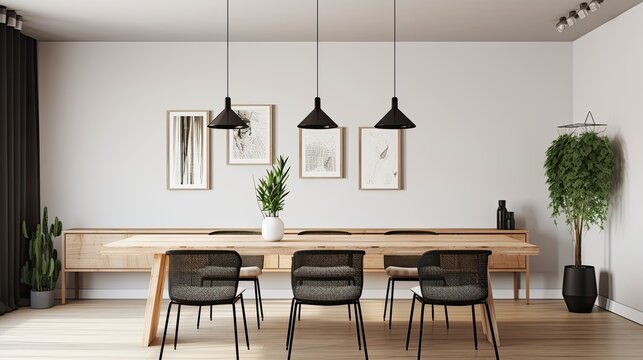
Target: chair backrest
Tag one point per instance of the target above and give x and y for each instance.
(328, 268)
(404, 260)
(324, 232)
(410, 232)
(198, 276)
(459, 272)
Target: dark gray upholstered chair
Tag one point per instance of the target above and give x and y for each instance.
(403, 268)
(204, 278)
(251, 269)
(327, 278)
(454, 278)
(326, 232)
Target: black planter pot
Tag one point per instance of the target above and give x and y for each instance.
(579, 288)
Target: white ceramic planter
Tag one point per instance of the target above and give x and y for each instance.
(272, 229)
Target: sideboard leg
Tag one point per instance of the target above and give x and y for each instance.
(527, 282)
(516, 285)
(76, 285)
(63, 287)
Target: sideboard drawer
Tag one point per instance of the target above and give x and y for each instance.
(497, 262)
(83, 251)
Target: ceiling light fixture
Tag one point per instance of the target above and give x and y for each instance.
(228, 119)
(571, 19)
(395, 118)
(595, 5)
(561, 25)
(583, 10)
(317, 119)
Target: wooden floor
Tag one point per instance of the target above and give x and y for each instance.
(111, 329)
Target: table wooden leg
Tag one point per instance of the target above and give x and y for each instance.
(77, 285)
(527, 282)
(516, 285)
(490, 321)
(63, 287)
(154, 299)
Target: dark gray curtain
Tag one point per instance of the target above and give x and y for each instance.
(19, 158)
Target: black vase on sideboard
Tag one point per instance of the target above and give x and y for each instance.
(510, 224)
(501, 215)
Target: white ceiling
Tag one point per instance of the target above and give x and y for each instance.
(294, 20)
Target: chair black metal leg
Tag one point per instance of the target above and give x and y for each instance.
(198, 318)
(432, 312)
(446, 315)
(359, 333)
(292, 330)
(257, 304)
(493, 335)
(260, 299)
(210, 312)
(349, 312)
(388, 287)
(245, 325)
(299, 313)
(176, 331)
(292, 305)
(361, 321)
(408, 332)
(475, 331)
(390, 314)
(236, 337)
(167, 319)
(421, 329)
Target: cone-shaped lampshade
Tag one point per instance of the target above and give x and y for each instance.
(317, 119)
(395, 119)
(227, 119)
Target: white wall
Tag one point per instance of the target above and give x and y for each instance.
(608, 80)
(485, 112)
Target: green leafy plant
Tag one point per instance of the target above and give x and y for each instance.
(271, 190)
(579, 170)
(42, 269)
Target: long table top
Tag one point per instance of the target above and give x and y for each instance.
(372, 244)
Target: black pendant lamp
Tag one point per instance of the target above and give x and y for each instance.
(227, 119)
(317, 119)
(395, 118)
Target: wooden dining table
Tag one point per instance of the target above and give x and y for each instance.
(158, 245)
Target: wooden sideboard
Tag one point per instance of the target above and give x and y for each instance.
(82, 252)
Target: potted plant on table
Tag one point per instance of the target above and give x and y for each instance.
(42, 269)
(271, 192)
(579, 170)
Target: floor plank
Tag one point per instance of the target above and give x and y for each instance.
(111, 329)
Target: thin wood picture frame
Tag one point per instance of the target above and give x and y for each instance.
(187, 150)
(254, 145)
(329, 153)
(382, 161)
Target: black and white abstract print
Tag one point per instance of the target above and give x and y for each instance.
(321, 153)
(188, 150)
(252, 145)
(380, 159)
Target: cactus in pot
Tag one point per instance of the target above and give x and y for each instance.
(42, 269)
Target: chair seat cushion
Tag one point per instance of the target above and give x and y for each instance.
(324, 272)
(401, 272)
(320, 294)
(250, 272)
(462, 294)
(204, 294)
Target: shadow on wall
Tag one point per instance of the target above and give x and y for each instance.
(614, 216)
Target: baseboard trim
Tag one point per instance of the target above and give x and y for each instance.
(402, 293)
(620, 309)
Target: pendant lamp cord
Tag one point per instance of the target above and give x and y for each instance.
(227, 40)
(394, 48)
(317, 48)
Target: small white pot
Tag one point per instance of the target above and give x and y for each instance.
(272, 229)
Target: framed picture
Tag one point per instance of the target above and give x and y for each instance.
(321, 153)
(253, 145)
(188, 150)
(380, 159)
